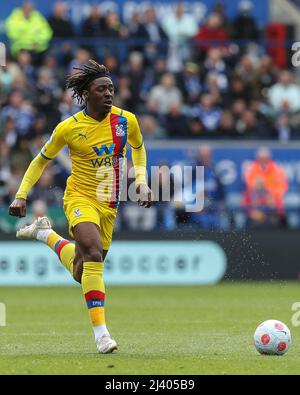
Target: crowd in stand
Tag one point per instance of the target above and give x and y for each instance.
(184, 80)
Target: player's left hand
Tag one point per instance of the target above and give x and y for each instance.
(145, 195)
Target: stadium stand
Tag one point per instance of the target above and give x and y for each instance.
(220, 80)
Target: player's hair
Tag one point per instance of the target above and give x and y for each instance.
(80, 80)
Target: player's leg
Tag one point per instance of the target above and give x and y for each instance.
(41, 230)
(87, 236)
(78, 263)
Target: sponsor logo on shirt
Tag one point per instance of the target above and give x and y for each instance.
(104, 149)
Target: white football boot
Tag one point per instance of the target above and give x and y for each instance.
(105, 344)
(30, 232)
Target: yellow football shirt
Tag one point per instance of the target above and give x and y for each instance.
(97, 150)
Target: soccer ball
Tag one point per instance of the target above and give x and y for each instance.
(272, 337)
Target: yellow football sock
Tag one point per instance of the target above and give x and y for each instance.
(94, 291)
(63, 248)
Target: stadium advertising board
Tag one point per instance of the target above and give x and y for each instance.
(128, 263)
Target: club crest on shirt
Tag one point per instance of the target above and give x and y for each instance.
(77, 213)
(120, 131)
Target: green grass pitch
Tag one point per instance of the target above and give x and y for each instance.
(171, 330)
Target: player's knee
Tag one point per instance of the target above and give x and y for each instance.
(93, 254)
(91, 250)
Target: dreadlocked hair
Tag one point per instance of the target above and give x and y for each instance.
(79, 81)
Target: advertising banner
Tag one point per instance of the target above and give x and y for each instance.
(128, 263)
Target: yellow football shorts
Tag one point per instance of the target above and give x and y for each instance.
(82, 209)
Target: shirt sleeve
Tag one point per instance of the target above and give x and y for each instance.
(31, 176)
(37, 166)
(139, 157)
(55, 143)
(135, 138)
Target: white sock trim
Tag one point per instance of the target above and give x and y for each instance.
(42, 235)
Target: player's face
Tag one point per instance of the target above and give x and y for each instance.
(101, 93)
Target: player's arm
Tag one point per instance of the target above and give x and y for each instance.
(34, 172)
(139, 160)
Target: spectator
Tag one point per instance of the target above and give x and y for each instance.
(245, 26)
(212, 34)
(238, 107)
(123, 94)
(227, 128)
(265, 76)
(153, 31)
(283, 130)
(153, 75)
(162, 186)
(266, 185)
(136, 33)
(111, 62)
(285, 95)
(196, 127)
(245, 69)
(261, 208)
(208, 113)
(39, 128)
(215, 64)
(82, 56)
(49, 93)
(189, 82)
(11, 189)
(57, 72)
(136, 75)
(165, 94)
(46, 189)
(94, 24)
(219, 8)
(21, 155)
(59, 21)
(10, 134)
(180, 27)
(8, 75)
(211, 189)
(67, 106)
(24, 59)
(27, 29)
(239, 89)
(151, 129)
(176, 123)
(131, 217)
(20, 111)
(113, 27)
(249, 127)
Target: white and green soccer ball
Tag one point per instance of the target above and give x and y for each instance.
(272, 337)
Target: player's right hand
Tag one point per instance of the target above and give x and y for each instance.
(18, 208)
